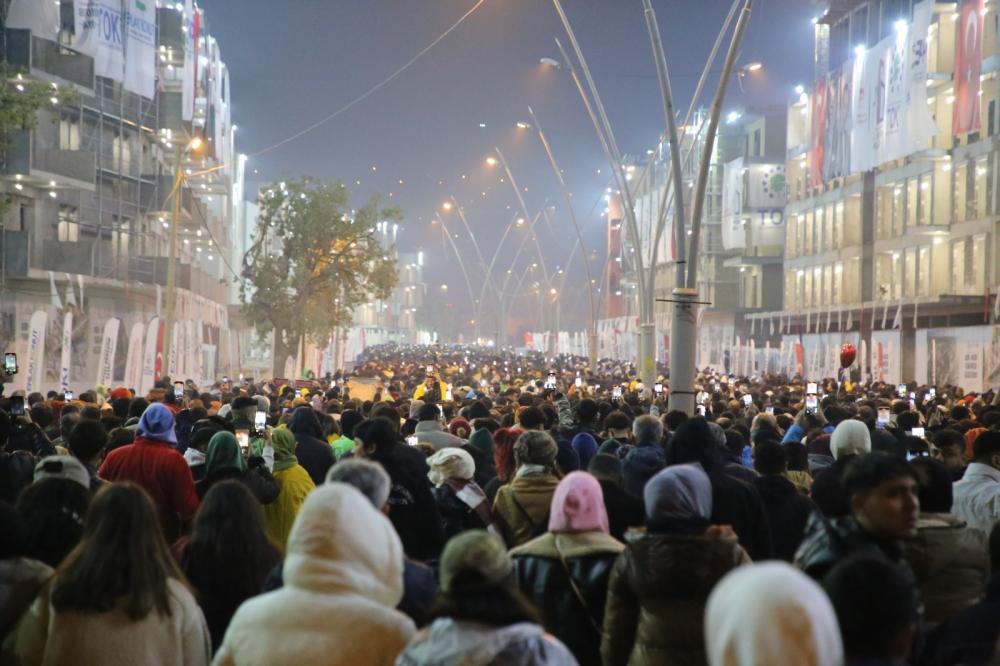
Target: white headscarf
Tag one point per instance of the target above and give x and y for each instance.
(450, 463)
(771, 613)
(850, 438)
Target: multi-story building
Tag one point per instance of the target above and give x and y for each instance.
(144, 143)
(739, 261)
(891, 241)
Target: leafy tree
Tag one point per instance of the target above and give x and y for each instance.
(20, 100)
(312, 261)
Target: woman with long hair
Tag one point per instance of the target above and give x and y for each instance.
(228, 555)
(481, 617)
(118, 598)
(503, 459)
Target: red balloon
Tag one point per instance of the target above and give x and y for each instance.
(847, 355)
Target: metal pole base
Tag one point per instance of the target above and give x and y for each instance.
(647, 355)
(683, 348)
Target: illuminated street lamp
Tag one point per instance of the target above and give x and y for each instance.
(446, 206)
(491, 161)
(522, 125)
(444, 287)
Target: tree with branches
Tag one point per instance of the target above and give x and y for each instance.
(312, 261)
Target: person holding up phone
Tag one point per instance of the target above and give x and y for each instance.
(225, 459)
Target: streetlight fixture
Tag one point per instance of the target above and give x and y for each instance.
(180, 151)
(446, 206)
(522, 125)
(444, 287)
(491, 161)
(550, 62)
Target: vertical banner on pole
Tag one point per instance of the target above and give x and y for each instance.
(66, 357)
(36, 351)
(133, 358)
(109, 345)
(148, 376)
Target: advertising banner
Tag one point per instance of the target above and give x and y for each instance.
(33, 375)
(100, 33)
(890, 118)
(66, 357)
(149, 355)
(733, 234)
(192, 20)
(41, 18)
(968, 66)
(133, 357)
(961, 356)
(109, 345)
(837, 137)
(140, 47)
(765, 194)
(817, 132)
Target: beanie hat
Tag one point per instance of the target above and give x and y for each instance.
(120, 392)
(850, 438)
(535, 447)
(459, 428)
(62, 467)
(157, 422)
(474, 559)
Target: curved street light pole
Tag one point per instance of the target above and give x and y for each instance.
(465, 273)
(592, 328)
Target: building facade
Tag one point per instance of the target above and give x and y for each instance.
(142, 156)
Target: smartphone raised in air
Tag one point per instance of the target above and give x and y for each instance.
(243, 438)
(10, 363)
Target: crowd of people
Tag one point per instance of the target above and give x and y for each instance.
(485, 506)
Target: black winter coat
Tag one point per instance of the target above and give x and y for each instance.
(624, 510)
(787, 510)
(970, 636)
(412, 509)
(456, 515)
(313, 452)
(828, 490)
(738, 504)
(257, 479)
(544, 580)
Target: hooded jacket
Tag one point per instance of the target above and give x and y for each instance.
(790, 620)
(343, 577)
(313, 452)
(565, 572)
(294, 485)
(153, 463)
(951, 563)
(447, 642)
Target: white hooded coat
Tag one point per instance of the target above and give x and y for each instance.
(343, 577)
(771, 613)
(850, 438)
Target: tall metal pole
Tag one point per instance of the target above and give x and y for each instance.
(168, 328)
(683, 343)
(592, 328)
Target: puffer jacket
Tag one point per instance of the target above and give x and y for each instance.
(521, 508)
(657, 594)
(446, 642)
(543, 567)
(951, 563)
(343, 577)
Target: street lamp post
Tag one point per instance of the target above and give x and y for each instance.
(592, 327)
(168, 327)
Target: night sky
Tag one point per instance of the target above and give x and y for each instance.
(294, 62)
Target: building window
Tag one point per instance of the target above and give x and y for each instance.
(961, 195)
(68, 226)
(898, 210)
(982, 189)
(910, 272)
(837, 287)
(924, 270)
(756, 143)
(69, 133)
(924, 199)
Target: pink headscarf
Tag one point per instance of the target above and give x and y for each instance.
(578, 505)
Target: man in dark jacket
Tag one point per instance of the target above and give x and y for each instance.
(787, 509)
(624, 510)
(313, 452)
(646, 458)
(882, 491)
(971, 635)
(733, 502)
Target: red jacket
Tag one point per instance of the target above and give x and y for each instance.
(163, 473)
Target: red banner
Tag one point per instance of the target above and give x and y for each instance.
(968, 66)
(817, 132)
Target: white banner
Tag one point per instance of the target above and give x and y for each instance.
(889, 96)
(193, 22)
(41, 17)
(133, 359)
(100, 33)
(140, 47)
(149, 355)
(66, 358)
(766, 195)
(109, 345)
(733, 235)
(34, 375)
